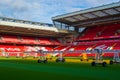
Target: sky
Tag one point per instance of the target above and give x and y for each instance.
(43, 10)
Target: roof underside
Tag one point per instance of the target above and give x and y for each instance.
(93, 16)
(21, 27)
(29, 32)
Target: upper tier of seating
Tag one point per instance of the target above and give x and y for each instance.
(100, 32)
(28, 40)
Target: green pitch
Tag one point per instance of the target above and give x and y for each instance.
(29, 69)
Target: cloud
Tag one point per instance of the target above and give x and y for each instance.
(100, 2)
(1, 14)
(14, 4)
(43, 10)
(6, 1)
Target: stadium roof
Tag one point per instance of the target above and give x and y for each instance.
(92, 16)
(22, 27)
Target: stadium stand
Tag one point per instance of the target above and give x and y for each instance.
(88, 29)
(101, 28)
(8, 39)
(45, 41)
(28, 40)
(98, 32)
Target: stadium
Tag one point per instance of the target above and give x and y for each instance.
(82, 45)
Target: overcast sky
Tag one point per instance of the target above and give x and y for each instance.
(43, 10)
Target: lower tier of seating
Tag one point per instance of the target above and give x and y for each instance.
(104, 45)
(13, 50)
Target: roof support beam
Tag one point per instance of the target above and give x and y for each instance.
(94, 14)
(116, 10)
(96, 21)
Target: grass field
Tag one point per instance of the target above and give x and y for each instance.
(29, 69)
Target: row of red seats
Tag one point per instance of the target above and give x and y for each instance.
(89, 55)
(23, 49)
(101, 32)
(20, 55)
(111, 45)
(65, 55)
(28, 40)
